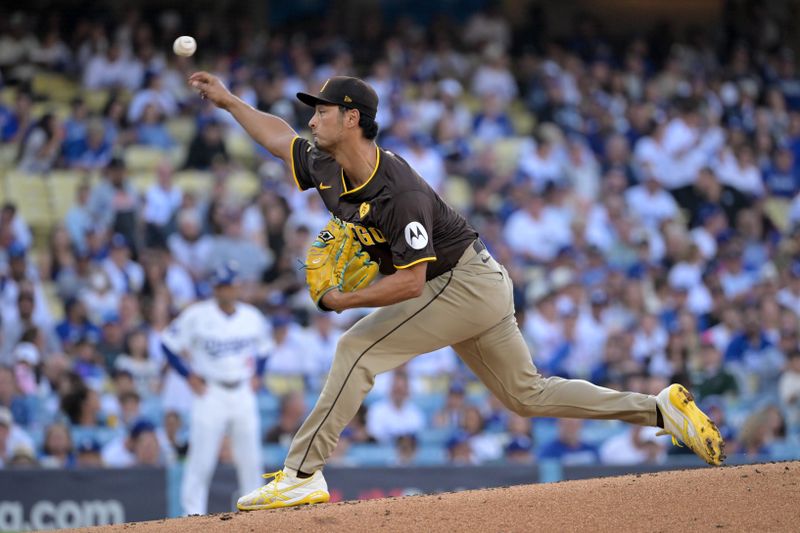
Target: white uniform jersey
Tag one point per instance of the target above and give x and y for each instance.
(221, 347)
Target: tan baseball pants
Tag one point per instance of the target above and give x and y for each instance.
(470, 308)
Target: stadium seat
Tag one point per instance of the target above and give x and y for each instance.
(62, 186)
(54, 303)
(140, 158)
(8, 154)
(434, 436)
(279, 385)
(95, 99)
(32, 198)
(59, 109)
(545, 431)
(267, 403)
(182, 129)
(54, 87)
(777, 210)
(240, 147)
(141, 181)
(430, 455)
(522, 119)
(7, 96)
(273, 455)
(102, 435)
(244, 184)
(458, 193)
(195, 181)
(371, 454)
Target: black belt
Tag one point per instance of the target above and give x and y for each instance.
(478, 246)
(228, 384)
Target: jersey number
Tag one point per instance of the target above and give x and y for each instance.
(369, 236)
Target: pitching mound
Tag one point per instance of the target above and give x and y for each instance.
(760, 497)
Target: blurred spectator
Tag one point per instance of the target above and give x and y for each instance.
(459, 451)
(76, 325)
(789, 296)
(75, 130)
(152, 94)
(125, 274)
(188, 245)
(290, 417)
(88, 454)
(406, 450)
(356, 431)
(11, 397)
(41, 146)
(782, 178)
(81, 405)
(711, 377)
(753, 356)
(760, 430)
(425, 160)
(492, 122)
(57, 450)
(635, 445)
(113, 69)
(113, 201)
(206, 147)
(161, 202)
(569, 448)
(26, 364)
(451, 415)
(253, 260)
(395, 416)
(137, 361)
(140, 447)
(12, 437)
(13, 221)
(151, 130)
(789, 389)
(78, 220)
(520, 451)
(289, 339)
(95, 151)
(485, 446)
(16, 122)
(173, 435)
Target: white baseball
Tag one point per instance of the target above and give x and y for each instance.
(184, 45)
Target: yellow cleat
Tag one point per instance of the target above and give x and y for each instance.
(686, 423)
(286, 490)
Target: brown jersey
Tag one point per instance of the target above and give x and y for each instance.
(398, 218)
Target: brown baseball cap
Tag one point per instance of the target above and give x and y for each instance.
(345, 91)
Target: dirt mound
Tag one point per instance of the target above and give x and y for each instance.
(761, 497)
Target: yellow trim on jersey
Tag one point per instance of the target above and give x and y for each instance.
(374, 171)
(294, 175)
(415, 262)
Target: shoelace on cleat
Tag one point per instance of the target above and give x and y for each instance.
(273, 491)
(675, 442)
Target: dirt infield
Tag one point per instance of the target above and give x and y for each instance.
(763, 497)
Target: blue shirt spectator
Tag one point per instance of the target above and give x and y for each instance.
(569, 448)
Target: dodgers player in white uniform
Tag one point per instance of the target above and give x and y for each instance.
(220, 345)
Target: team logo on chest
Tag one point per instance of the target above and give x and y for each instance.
(363, 210)
(416, 236)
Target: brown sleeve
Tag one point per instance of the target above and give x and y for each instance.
(410, 226)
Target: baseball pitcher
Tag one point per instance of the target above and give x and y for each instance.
(441, 287)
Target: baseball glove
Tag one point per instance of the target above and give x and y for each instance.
(336, 260)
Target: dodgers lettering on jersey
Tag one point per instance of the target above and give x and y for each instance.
(221, 347)
(398, 218)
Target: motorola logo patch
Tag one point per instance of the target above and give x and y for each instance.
(416, 236)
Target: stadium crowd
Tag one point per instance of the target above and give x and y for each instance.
(643, 193)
